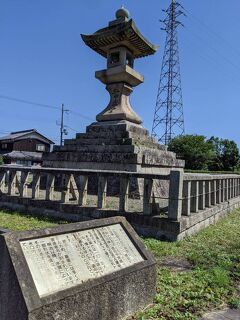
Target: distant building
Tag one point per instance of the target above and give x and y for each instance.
(24, 147)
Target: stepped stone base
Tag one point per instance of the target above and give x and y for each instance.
(113, 145)
(117, 146)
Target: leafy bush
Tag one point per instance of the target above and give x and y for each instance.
(226, 154)
(197, 152)
(214, 154)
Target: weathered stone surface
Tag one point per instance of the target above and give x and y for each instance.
(3, 230)
(123, 283)
(151, 226)
(141, 150)
(119, 107)
(226, 314)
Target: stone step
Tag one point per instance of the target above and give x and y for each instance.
(127, 158)
(97, 148)
(138, 155)
(116, 129)
(112, 135)
(95, 142)
(119, 145)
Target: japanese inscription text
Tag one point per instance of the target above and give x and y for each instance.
(61, 261)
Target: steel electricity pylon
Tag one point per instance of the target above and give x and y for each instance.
(168, 116)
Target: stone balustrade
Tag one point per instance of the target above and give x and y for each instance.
(26, 182)
(193, 200)
(203, 191)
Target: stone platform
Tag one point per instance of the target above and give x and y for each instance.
(113, 145)
(117, 146)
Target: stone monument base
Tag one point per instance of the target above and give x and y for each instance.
(118, 146)
(113, 145)
(96, 270)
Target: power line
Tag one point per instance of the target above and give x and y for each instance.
(72, 129)
(219, 54)
(81, 115)
(212, 61)
(29, 102)
(211, 31)
(207, 57)
(43, 106)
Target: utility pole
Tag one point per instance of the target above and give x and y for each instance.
(168, 116)
(63, 130)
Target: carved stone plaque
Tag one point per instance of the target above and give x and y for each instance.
(61, 261)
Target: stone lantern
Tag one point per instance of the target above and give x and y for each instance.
(117, 141)
(120, 43)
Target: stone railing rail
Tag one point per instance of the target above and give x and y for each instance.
(74, 183)
(203, 191)
(188, 193)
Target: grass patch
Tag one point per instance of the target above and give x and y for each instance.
(209, 282)
(17, 221)
(214, 254)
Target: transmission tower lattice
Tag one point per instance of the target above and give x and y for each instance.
(168, 116)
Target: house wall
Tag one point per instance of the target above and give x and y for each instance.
(29, 145)
(9, 147)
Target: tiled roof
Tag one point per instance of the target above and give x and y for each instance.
(23, 155)
(19, 134)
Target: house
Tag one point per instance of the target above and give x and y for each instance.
(24, 147)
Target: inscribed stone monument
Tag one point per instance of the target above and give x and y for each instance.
(84, 271)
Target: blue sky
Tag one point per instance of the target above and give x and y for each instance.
(43, 59)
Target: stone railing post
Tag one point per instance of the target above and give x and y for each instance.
(36, 185)
(50, 187)
(194, 196)
(234, 187)
(223, 190)
(23, 184)
(226, 189)
(2, 181)
(213, 192)
(147, 196)
(186, 202)
(175, 195)
(102, 192)
(202, 195)
(218, 191)
(231, 188)
(123, 194)
(208, 194)
(12, 182)
(82, 183)
(65, 188)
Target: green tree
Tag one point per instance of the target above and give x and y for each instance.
(226, 154)
(197, 152)
(1, 160)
